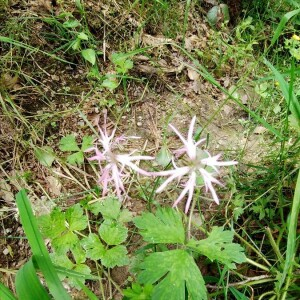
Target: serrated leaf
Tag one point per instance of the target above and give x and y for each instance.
(76, 158)
(65, 242)
(79, 254)
(109, 208)
(116, 256)
(166, 227)
(75, 218)
(45, 155)
(83, 269)
(125, 216)
(87, 142)
(113, 233)
(94, 248)
(68, 143)
(175, 271)
(218, 246)
(89, 55)
(52, 225)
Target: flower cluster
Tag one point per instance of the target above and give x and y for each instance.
(194, 168)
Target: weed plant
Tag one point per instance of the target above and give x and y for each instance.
(246, 248)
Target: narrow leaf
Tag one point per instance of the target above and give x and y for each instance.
(38, 247)
(6, 293)
(28, 285)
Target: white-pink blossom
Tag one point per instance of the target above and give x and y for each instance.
(197, 164)
(112, 164)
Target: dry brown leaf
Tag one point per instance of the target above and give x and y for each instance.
(149, 40)
(5, 191)
(193, 75)
(54, 185)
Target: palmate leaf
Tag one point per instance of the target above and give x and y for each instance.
(175, 271)
(113, 233)
(164, 227)
(116, 256)
(75, 218)
(68, 143)
(93, 246)
(218, 246)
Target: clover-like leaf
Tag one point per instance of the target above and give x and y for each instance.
(174, 271)
(68, 143)
(75, 218)
(164, 227)
(93, 246)
(113, 233)
(116, 256)
(87, 142)
(219, 246)
(109, 208)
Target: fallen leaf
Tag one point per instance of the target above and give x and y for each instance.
(54, 185)
(5, 191)
(193, 75)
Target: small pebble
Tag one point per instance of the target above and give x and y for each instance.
(139, 124)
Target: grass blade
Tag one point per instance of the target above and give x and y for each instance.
(6, 293)
(289, 96)
(28, 285)
(292, 240)
(39, 250)
(282, 23)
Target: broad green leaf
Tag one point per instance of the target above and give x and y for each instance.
(83, 269)
(218, 246)
(75, 218)
(93, 247)
(89, 55)
(164, 156)
(109, 208)
(68, 143)
(38, 247)
(76, 158)
(6, 293)
(113, 233)
(45, 155)
(28, 285)
(116, 256)
(138, 292)
(164, 227)
(125, 216)
(79, 254)
(71, 23)
(111, 82)
(82, 36)
(65, 242)
(87, 142)
(174, 271)
(52, 225)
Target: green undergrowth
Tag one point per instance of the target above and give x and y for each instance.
(248, 247)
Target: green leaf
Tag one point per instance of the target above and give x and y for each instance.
(166, 227)
(68, 143)
(82, 36)
(79, 254)
(65, 242)
(138, 292)
(116, 256)
(89, 55)
(83, 269)
(75, 218)
(45, 155)
(6, 293)
(71, 23)
(52, 225)
(218, 246)
(76, 158)
(113, 233)
(164, 156)
(111, 82)
(28, 285)
(87, 142)
(125, 216)
(38, 247)
(94, 248)
(174, 271)
(109, 208)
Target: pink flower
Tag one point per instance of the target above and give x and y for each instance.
(199, 167)
(111, 164)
